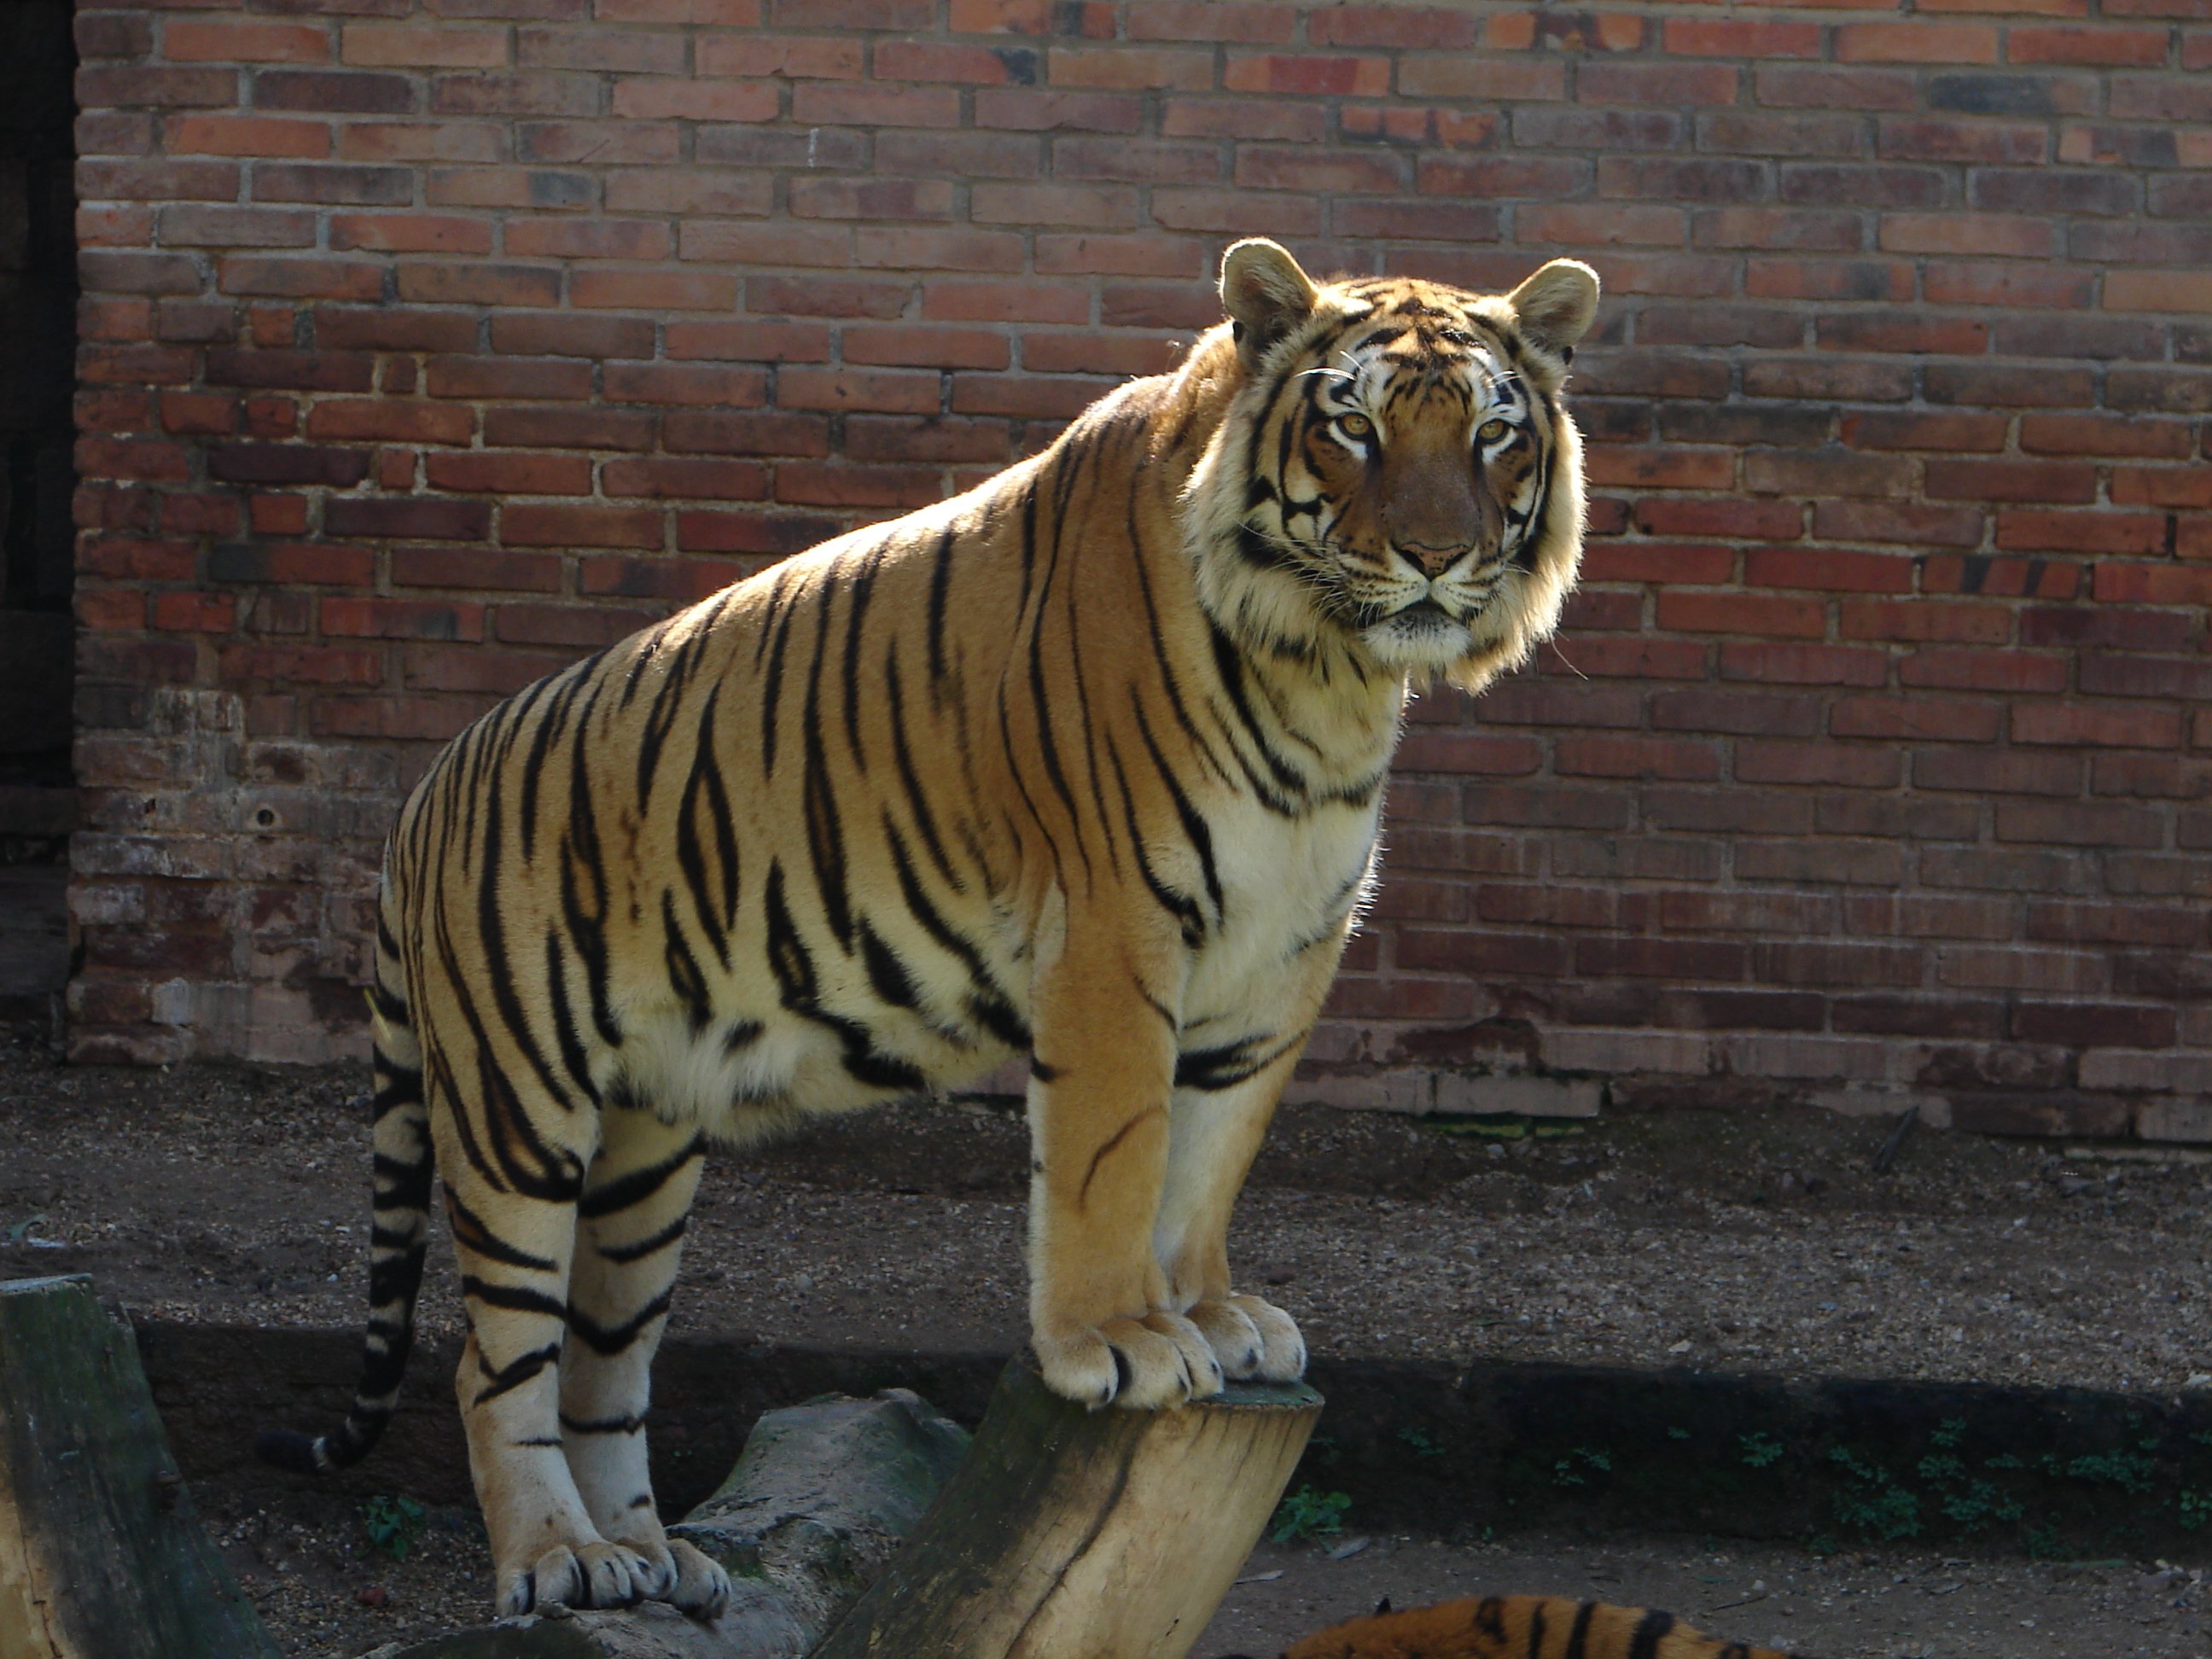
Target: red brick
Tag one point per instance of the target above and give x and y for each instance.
(2157, 290)
(427, 519)
(2093, 531)
(556, 428)
(1740, 613)
(2011, 481)
(509, 474)
(1982, 670)
(1283, 73)
(2041, 579)
(819, 58)
(1777, 664)
(185, 40)
(698, 480)
(522, 526)
(410, 233)
(1735, 38)
(1908, 523)
(2133, 47)
(399, 619)
(653, 290)
(2141, 727)
(886, 391)
(1915, 42)
(1762, 520)
(1832, 572)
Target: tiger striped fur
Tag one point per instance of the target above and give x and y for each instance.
(1520, 1627)
(1086, 762)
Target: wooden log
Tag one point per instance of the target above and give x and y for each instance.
(823, 1496)
(101, 1556)
(1109, 1535)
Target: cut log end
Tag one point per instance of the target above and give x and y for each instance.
(1111, 1533)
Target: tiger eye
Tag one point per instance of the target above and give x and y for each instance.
(1356, 425)
(1491, 431)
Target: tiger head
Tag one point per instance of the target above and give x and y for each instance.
(1395, 473)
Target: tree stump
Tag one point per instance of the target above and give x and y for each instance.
(1109, 1535)
(101, 1556)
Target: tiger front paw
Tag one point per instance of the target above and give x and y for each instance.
(1150, 1364)
(1255, 1340)
(589, 1576)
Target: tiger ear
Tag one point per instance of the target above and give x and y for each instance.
(1555, 306)
(1265, 294)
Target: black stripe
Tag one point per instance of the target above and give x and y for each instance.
(472, 1234)
(1194, 827)
(940, 583)
(621, 1255)
(917, 799)
(825, 836)
(1184, 909)
(1645, 1642)
(705, 784)
(629, 1425)
(516, 1299)
(1578, 1637)
(684, 976)
(613, 1338)
(635, 1187)
(772, 689)
(514, 1374)
(887, 974)
(862, 584)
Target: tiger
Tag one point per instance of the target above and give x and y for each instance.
(1086, 764)
(1519, 1627)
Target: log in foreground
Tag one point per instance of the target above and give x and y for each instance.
(1075, 1534)
(1063, 1534)
(101, 1556)
(823, 1496)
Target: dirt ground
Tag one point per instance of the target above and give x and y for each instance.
(1742, 1239)
(328, 1594)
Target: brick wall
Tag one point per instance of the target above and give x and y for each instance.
(429, 343)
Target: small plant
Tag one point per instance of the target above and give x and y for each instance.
(1424, 1447)
(1309, 1513)
(2131, 1471)
(1759, 1449)
(1948, 1431)
(2196, 1509)
(1568, 1471)
(1877, 1505)
(393, 1524)
(1678, 1434)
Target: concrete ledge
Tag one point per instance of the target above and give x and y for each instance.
(1417, 1446)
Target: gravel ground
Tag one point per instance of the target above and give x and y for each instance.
(1755, 1239)
(327, 1593)
(1740, 1239)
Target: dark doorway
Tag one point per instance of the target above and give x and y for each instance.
(38, 351)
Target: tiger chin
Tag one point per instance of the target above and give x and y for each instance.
(1086, 763)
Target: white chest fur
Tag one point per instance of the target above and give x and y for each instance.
(1287, 885)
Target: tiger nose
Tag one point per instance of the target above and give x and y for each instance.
(1433, 560)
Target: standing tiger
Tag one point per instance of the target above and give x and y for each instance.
(1086, 763)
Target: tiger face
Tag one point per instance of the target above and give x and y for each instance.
(1412, 485)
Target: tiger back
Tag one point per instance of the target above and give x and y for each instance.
(1085, 764)
(1520, 1627)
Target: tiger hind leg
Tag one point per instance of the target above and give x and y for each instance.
(511, 1198)
(632, 1216)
